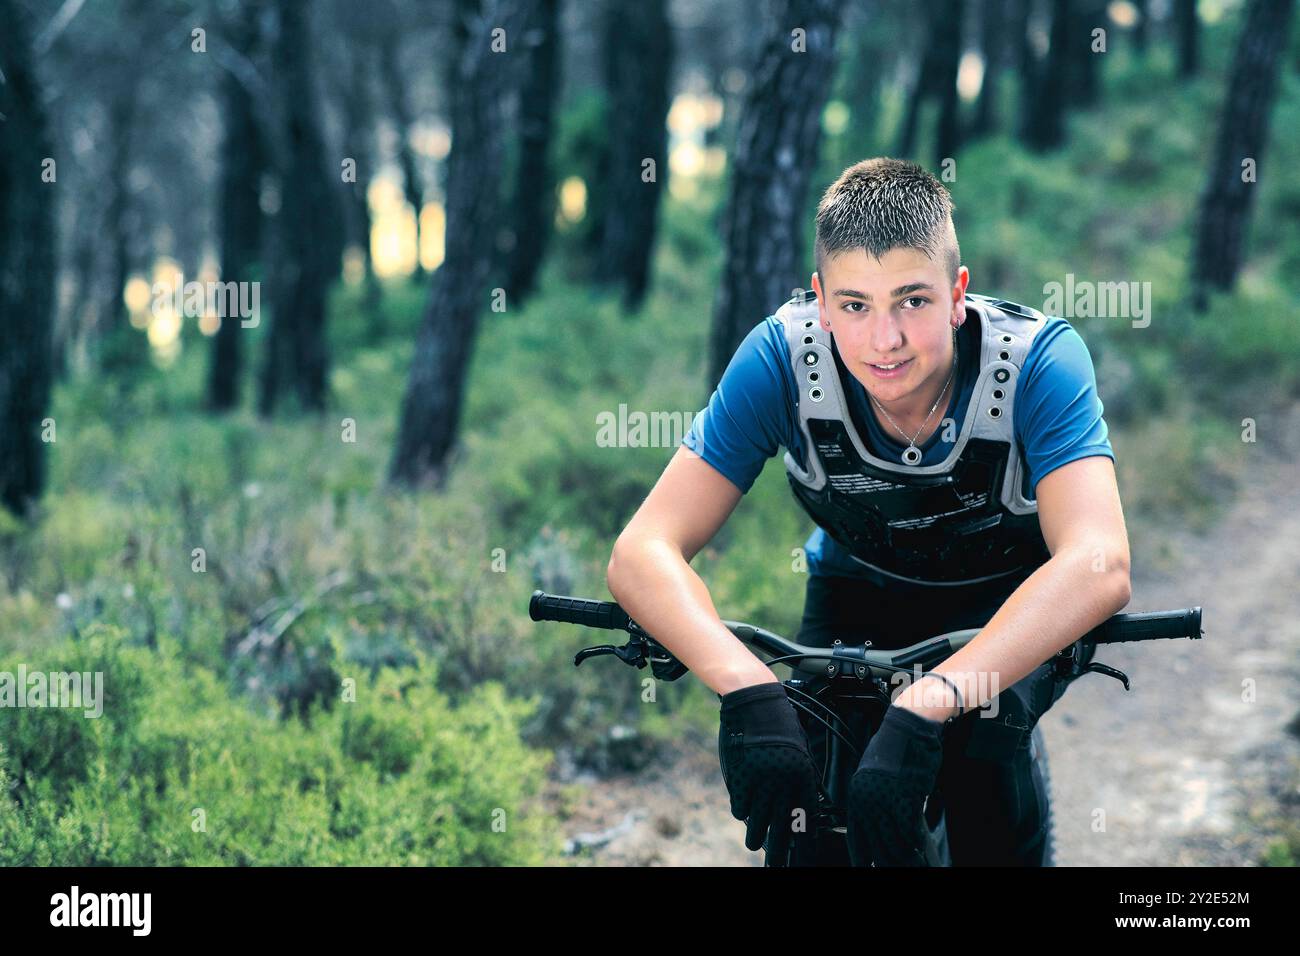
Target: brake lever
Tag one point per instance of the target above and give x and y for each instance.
(633, 653)
(1108, 671)
(664, 665)
(637, 652)
(1069, 668)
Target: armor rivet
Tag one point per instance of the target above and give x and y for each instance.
(810, 358)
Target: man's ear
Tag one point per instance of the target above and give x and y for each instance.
(821, 301)
(959, 295)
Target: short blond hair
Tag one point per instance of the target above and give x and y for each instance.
(881, 204)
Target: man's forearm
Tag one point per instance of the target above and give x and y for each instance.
(1055, 606)
(659, 590)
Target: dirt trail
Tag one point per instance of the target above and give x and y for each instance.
(1179, 771)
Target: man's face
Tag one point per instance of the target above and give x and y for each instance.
(896, 309)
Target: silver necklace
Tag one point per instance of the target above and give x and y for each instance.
(912, 454)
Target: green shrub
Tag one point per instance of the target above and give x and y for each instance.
(176, 772)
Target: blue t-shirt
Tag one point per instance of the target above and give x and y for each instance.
(1057, 415)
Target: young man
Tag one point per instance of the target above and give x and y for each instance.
(953, 454)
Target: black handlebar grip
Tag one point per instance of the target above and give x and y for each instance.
(1151, 626)
(570, 610)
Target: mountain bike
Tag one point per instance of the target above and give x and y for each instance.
(843, 691)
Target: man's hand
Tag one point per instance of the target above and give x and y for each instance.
(766, 764)
(898, 771)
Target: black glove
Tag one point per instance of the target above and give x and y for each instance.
(897, 772)
(766, 765)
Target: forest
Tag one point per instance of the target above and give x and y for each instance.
(330, 331)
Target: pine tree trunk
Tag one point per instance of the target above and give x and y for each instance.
(358, 134)
(777, 145)
(1026, 66)
(533, 211)
(1046, 129)
(948, 45)
(638, 73)
(993, 41)
(1189, 40)
(308, 239)
(240, 230)
(1088, 16)
(430, 419)
(1142, 29)
(390, 74)
(27, 268)
(120, 349)
(1243, 134)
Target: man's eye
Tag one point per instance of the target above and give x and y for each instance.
(855, 311)
(917, 298)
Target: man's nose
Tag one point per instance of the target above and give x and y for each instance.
(885, 335)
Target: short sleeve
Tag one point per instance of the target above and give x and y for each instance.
(1058, 413)
(750, 412)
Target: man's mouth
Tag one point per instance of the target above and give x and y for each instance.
(894, 368)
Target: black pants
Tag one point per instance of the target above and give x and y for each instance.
(994, 793)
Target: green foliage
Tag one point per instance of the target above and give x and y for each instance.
(580, 149)
(224, 672)
(176, 772)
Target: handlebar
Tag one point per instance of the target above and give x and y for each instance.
(848, 659)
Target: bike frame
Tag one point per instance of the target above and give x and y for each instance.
(848, 710)
(856, 678)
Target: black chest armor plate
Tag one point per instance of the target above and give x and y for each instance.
(962, 521)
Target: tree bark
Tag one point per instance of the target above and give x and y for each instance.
(638, 73)
(240, 231)
(993, 43)
(1142, 29)
(120, 349)
(1046, 127)
(777, 145)
(358, 130)
(922, 85)
(1188, 25)
(27, 268)
(1026, 66)
(533, 207)
(1243, 134)
(948, 44)
(431, 407)
(390, 74)
(1088, 15)
(308, 242)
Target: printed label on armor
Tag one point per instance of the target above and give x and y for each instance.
(975, 501)
(831, 450)
(855, 484)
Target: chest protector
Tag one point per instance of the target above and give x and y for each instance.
(962, 521)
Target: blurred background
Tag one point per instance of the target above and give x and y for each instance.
(311, 315)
